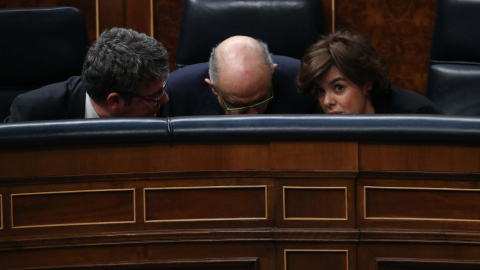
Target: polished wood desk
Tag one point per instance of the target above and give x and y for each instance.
(267, 204)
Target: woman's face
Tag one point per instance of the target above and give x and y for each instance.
(338, 95)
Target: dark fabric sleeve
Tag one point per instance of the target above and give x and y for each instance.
(64, 100)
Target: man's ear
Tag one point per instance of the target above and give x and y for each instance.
(210, 84)
(274, 66)
(114, 101)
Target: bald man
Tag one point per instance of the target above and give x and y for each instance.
(240, 78)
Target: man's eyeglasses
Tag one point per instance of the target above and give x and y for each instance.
(245, 107)
(156, 100)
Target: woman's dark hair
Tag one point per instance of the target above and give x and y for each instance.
(353, 55)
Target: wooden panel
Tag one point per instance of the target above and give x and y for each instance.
(86, 160)
(187, 264)
(329, 14)
(88, 8)
(419, 157)
(442, 256)
(336, 210)
(401, 202)
(111, 13)
(233, 196)
(138, 16)
(425, 264)
(315, 259)
(401, 30)
(145, 255)
(1, 211)
(167, 15)
(206, 203)
(73, 208)
(133, 14)
(219, 156)
(314, 203)
(328, 155)
(429, 203)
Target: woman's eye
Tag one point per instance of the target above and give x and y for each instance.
(339, 87)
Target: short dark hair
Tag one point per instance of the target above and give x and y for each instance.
(123, 60)
(353, 55)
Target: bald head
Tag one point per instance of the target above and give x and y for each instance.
(241, 68)
(239, 56)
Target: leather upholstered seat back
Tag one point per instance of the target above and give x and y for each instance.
(39, 46)
(287, 26)
(454, 74)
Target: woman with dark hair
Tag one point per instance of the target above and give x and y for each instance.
(348, 76)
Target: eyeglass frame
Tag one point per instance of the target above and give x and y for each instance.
(245, 107)
(156, 100)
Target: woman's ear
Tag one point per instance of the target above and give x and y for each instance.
(367, 87)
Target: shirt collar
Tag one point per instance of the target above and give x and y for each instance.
(89, 110)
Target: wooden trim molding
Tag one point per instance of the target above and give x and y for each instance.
(333, 16)
(152, 25)
(97, 19)
(1, 212)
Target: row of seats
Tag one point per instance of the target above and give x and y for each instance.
(416, 128)
(48, 45)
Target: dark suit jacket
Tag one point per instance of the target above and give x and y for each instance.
(403, 101)
(190, 94)
(64, 100)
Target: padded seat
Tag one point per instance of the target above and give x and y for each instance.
(287, 26)
(39, 46)
(454, 74)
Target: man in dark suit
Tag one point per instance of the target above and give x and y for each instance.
(242, 77)
(123, 75)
